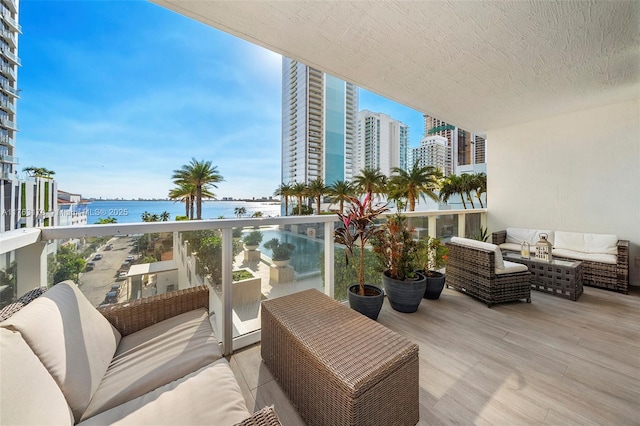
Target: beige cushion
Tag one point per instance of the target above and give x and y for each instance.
(514, 247)
(71, 338)
(532, 236)
(28, 393)
(511, 267)
(593, 257)
(587, 243)
(499, 261)
(209, 396)
(155, 356)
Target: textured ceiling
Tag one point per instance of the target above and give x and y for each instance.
(479, 65)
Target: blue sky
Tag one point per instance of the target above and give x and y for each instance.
(115, 95)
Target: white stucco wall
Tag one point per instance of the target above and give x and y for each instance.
(575, 172)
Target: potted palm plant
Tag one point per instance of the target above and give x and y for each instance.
(281, 251)
(432, 256)
(397, 253)
(358, 227)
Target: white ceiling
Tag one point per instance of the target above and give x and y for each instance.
(479, 65)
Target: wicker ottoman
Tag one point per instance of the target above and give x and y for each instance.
(337, 366)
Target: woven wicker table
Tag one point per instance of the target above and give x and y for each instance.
(337, 366)
(559, 277)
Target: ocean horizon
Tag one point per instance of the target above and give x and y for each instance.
(130, 211)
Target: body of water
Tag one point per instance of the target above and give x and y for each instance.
(131, 211)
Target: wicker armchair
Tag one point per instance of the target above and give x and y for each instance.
(472, 271)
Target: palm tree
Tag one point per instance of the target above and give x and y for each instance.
(317, 189)
(185, 193)
(418, 182)
(164, 216)
(239, 211)
(202, 175)
(41, 172)
(257, 214)
(452, 185)
(467, 185)
(299, 190)
(371, 181)
(480, 186)
(284, 191)
(340, 191)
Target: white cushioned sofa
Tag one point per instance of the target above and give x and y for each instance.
(157, 362)
(605, 258)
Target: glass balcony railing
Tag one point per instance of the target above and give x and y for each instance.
(129, 261)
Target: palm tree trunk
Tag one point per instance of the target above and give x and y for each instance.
(318, 205)
(199, 202)
(191, 202)
(480, 199)
(300, 205)
(412, 203)
(286, 205)
(462, 198)
(186, 207)
(341, 206)
(473, 206)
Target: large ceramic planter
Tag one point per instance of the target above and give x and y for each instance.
(435, 285)
(281, 263)
(251, 247)
(368, 305)
(404, 296)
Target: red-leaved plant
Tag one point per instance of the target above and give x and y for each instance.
(358, 228)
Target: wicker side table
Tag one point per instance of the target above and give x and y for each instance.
(337, 366)
(559, 277)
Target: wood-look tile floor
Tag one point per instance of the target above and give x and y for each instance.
(551, 362)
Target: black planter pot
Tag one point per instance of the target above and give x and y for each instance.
(435, 285)
(404, 296)
(368, 305)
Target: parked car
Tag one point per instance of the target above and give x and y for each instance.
(129, 258)
(108, 247)
(115, 287)
(97, 256)
(112, 297)
(89, 266)
(122, 276)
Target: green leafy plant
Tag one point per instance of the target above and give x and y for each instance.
(253, 238)
(241, 274)
(396, 249)
(281, 251)
(431, 255)
(358, 227)
(481, 235)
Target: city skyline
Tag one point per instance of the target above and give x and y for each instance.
(127, 92)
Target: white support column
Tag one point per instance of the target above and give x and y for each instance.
(431, 223)
(483, 220)
(329, 253)
(227, 280)
(32, 267)
(461, 225)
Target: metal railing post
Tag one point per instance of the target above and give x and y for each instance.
(227, 280)
(329, 264)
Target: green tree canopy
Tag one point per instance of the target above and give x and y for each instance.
(202, 174)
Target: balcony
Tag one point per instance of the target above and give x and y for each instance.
(8, 124)
(11, 57)
(8, 159)
(8, 90)
(11, 22)
(9, 37)
(551, 361)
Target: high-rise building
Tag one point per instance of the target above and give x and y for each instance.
(467, 150)
(433, 151)
(9, 63)
(318, 125)
(382, 143)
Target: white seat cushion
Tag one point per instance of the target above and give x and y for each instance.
(587, 243)
(28, 393)
(71, 338)
(593, 257)
(209, 396)
(511, 267)
(155, 356)
(499, 261)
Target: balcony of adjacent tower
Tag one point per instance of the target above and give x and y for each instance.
(8, 159)
(8, 106)
(11, 22)
(8, 71)
(5, 122)
(9, 37)
(11, 5)
(9, 91)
